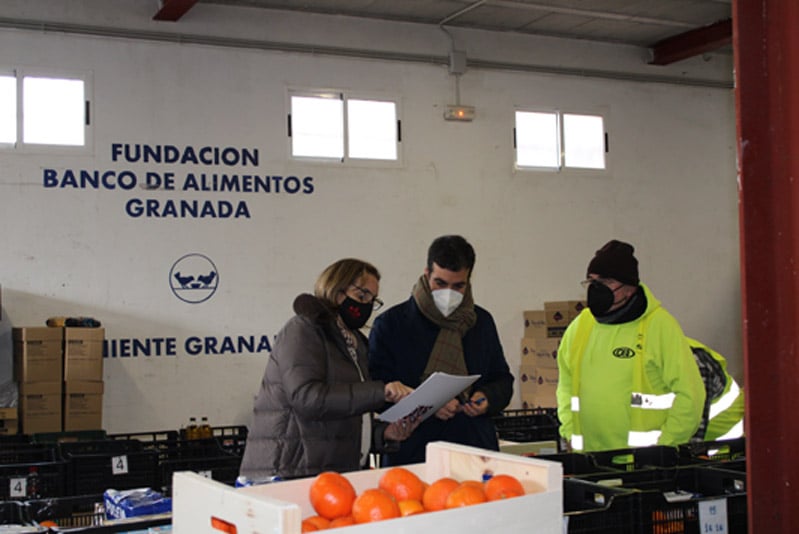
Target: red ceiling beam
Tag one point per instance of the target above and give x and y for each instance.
(172, 10)
(692, 43)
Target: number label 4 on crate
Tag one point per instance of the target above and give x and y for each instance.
(18, 487)
(119, 465)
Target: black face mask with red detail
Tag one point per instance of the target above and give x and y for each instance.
(354, 313)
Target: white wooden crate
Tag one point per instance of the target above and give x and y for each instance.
(279, 508)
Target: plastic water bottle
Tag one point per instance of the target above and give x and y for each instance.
(242, 481)
(32, 483)
(205, 431)
(191, 430)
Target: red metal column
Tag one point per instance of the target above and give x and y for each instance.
(766, 44)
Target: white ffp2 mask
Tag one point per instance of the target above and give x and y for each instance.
(447, 300)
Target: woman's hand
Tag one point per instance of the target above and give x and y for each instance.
(394, 391)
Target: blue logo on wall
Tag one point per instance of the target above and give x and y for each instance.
(193, 278)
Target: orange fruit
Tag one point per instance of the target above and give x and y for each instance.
(402, 484)
(435, 496)
(410, 507)
(345, 521)
(503, 487)
(331, 495)
(314, 523)
(374, 505)
(466, 494)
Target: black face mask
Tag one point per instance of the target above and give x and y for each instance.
(600, 298)
(354, 313)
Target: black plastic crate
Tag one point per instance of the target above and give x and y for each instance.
(51, 479)
(162, 441)
(639, 458)
(11, 513)
(13, 439)
(595, 509)
(668, 499)
(66, 512)
(539, 424)
(21, 453)
(232, 438)
(714, 451)
(85, 514)
(68, 437)
(575, 463)
(205, 456)
(95, 466)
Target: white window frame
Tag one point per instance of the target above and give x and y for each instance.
(345, 96)
(559, 138)
(19, 145)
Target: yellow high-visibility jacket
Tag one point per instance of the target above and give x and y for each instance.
(633, 384)
(723, 416)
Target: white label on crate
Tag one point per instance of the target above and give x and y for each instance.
(206, 473)
(565, 524)
(18, 487)
(119, 465)
(713, 517)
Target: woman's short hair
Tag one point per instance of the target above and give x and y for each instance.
(338, 277)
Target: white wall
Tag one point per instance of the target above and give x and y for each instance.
(670, 190)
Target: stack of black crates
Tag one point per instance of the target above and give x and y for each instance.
(691, 489)
(61, 477)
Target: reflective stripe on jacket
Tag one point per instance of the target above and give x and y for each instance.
(724, 398)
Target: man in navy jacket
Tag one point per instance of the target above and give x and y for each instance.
(439, 328)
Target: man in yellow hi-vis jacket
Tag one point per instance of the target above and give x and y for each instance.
(627, 377)
(723, 415)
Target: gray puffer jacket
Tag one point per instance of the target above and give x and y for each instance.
(307, 416)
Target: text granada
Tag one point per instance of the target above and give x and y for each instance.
(182, 209)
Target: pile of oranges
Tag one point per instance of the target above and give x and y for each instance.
(399, 493)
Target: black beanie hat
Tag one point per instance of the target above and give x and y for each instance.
(615, 260)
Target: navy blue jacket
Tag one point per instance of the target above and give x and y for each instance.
(400, 343)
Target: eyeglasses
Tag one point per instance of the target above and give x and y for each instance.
(364, 295)
(605, 281)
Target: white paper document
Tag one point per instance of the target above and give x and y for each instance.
(429, 397)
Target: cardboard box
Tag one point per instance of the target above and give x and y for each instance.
(197, 500)
(535, 323)
(540, 352)
(40, 407)
(9, 421)
(561, 313)
(83, 405)
(37, 354)
(528, 382)
(83, 354)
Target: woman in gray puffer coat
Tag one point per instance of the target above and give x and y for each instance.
(313, 410)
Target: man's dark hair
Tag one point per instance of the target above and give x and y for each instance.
(451, 252)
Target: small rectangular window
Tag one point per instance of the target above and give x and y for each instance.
(372, 129)
(537, 140)
(317, 127)
(53, 111)
(555, 140)
(8, 109)
(337, 126)
(44, 110)
(583, 141)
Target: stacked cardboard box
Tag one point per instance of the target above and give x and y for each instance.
(60, 377)
(9, 421)
(38, 371)
(543, 329)
(83, 378)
